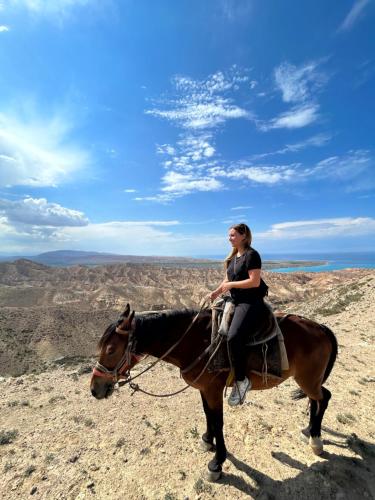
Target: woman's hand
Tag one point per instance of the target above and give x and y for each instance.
(215, 294)
(223, 288)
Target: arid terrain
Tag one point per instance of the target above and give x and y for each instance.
(57, 441)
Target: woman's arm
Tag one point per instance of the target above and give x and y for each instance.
(253, 281)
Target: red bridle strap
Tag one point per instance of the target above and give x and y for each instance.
(116, 374)
(98, 373)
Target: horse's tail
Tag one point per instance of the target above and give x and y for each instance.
(298, 393)
(333, 355)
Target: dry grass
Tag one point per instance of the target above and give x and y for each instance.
(7, 437)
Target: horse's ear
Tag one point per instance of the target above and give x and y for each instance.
(130, 319)
(127, 322)
(127, 311)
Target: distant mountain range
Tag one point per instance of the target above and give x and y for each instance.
(66, 258)
(76, 257)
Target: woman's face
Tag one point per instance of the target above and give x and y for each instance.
(235, 238)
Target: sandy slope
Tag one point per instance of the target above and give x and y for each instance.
(71, 446)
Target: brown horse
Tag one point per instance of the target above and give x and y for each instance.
(311, 349)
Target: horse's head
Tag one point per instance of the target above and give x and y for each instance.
(115, 356)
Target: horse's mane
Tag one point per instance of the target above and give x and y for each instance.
(153, 319)
(147, 321)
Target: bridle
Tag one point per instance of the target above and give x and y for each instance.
(122, 368)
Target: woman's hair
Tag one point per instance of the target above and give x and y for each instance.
(244, 230)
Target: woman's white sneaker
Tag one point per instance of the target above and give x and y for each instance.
(239, 390)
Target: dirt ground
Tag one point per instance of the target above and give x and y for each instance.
(58, 442)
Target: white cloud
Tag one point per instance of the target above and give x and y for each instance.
(242, 207)
(39, 212)
(259, 174)
(158, 198)
(354, 14)
(202, 104)
(354, 167)
(320, 228)
(297, 84)
(179, 184)
(4, 29)
(297, 117)
(189, 151)
(209, 151)
(345, 167)
(194, 148)
(176, 184)
(123, 236)
(317, 140)
(114, 236)
(192, 115)
(186, 163)
(130, 190)
(165, 149)
(197, 147)
(37, 152)
(34, 221)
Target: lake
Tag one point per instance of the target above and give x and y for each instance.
(332, 261)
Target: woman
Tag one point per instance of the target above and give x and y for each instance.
(247, 289)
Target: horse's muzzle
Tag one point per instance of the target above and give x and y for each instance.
(101, 389)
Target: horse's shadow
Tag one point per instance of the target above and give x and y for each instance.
(337, 476)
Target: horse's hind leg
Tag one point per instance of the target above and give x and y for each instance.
(316, 416)
(312, 433)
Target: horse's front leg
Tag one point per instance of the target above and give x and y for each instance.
(215, 422)
(207, 443)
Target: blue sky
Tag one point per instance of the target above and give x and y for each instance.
(148, 127)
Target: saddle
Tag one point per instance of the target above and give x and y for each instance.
(266, 350)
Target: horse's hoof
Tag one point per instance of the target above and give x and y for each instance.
(316, 445)
(204, 446)
(213, 476)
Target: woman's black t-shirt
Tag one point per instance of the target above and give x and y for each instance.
(238, 270)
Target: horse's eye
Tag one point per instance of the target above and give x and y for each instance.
(110, 350)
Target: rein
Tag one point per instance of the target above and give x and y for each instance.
(122, 369)
(136, 387)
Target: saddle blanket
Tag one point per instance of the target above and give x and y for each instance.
(266, 350)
